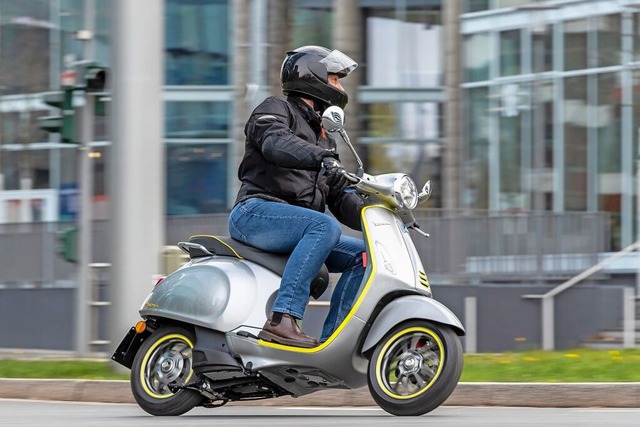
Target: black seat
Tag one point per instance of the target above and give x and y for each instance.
(227, 246)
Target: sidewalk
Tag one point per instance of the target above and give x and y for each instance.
(613, 395)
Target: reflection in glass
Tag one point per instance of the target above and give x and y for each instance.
(196, 179)
(576, 44)
(476, 168)
(609, 129)
(576, 127)
(311, 27)
(197, 42)
(510, 53)
(403, 47)
(477, 57)
(476, 5)
(512, 197)
(402, 120)
(542, 49)
(197, 119)
(609, 49)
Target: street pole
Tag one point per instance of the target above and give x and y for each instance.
(85, 113)
(638, 213)
(137, 161)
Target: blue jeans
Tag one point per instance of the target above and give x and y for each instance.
(311, 238)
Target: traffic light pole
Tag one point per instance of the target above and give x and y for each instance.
(85, 166)
(85, 114)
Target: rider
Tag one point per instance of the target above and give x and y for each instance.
(290, 173)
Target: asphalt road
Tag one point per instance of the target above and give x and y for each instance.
(39, 413)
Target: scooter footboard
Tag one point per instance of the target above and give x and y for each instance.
(407, 308)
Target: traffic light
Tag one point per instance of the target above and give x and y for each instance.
(91, 76)
(64, 122)
(68, 241)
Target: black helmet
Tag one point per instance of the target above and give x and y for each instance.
(305, 70)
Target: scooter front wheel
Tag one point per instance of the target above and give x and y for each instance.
(164, 361)
(415, 368)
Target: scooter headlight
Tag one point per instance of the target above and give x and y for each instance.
(406, 192)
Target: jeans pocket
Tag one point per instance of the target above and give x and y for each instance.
(235, 217)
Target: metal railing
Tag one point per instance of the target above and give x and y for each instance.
(465, 248)
(548, 321)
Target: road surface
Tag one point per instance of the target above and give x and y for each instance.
(50, 413)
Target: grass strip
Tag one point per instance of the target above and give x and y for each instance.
(579, 365)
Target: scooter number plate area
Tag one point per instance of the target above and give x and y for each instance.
(128, 347)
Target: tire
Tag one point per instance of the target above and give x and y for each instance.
(415, 368)
(165, 358)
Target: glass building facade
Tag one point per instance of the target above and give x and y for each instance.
(552, 117)
(400, 97)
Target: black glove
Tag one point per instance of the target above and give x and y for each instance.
(335, 173)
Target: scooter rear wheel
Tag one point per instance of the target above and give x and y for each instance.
(415, 368)
(163, 361)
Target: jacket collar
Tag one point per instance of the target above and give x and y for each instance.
(308, 112)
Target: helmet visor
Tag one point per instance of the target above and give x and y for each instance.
(339, 63)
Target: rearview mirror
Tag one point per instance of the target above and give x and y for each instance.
(425, 193)
(333, 119)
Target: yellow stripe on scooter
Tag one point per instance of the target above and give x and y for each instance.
(353, 310)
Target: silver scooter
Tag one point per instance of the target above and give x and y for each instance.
(198, 344)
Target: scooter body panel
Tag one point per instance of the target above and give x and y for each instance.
(219, 293)
(407, 308)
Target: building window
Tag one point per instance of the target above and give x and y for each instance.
(576, 129)
(510, 53)
(476, 5)
(476, 168)
(197, 42)
(478, 57)
(312, 26)
(576, 48)
(609, 29)
(196, 179)
(404, 48)
(402, 120)
(197, 120)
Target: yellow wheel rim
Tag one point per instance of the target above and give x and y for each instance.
(410, 363)
(168, 361)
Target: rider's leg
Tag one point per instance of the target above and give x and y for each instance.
(309, 237)
(346, 257)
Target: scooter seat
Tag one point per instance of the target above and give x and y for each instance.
(227, 246)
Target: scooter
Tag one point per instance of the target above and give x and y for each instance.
(197, 344)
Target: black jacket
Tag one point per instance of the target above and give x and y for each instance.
(284, 148)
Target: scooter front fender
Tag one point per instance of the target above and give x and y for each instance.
(407, 308)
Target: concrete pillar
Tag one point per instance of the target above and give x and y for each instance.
(241, 79)
(452, 150)
(347, 38)
(452, 153)
(137, 173)
(279, 41)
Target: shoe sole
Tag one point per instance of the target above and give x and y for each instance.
(268, 336)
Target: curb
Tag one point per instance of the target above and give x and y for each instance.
(552, 395)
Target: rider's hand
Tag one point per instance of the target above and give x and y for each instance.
(335, 173)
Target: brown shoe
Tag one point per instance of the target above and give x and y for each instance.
(286, 332)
